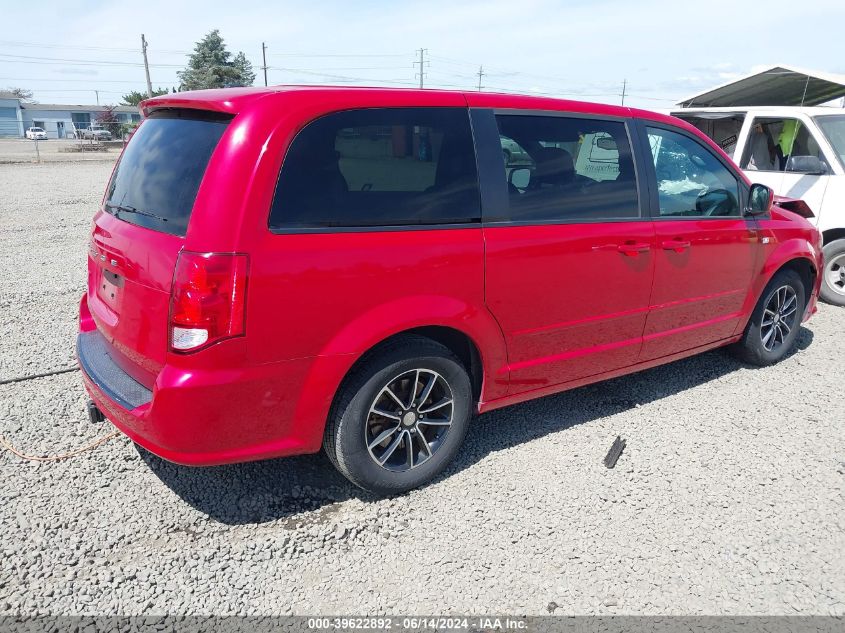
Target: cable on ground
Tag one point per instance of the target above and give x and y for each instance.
(4, 443)
(56, 372)
(55, 458)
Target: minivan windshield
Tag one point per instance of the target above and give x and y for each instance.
(156, 181)
(833, 128)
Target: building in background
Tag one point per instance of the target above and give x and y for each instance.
(11, 117)
(58, 120)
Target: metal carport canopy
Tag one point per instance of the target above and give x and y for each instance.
(776, 86)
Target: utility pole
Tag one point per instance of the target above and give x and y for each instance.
(97, 92)
(480, 75)
(264, 57)
(421, 63)
(146, 66)
(624, 87)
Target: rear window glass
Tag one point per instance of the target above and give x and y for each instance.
(379, 167)
(156, 181)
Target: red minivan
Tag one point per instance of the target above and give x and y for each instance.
(277, 270)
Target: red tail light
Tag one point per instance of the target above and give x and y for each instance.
(207, 300)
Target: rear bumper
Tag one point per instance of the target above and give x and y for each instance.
(205, 417)
(99, 368)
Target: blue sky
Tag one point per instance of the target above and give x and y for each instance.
(577, 49)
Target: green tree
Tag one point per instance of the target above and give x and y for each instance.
(244, 66)
(134, 98)
(212, 66)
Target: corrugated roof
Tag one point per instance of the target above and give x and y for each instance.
(775, 86)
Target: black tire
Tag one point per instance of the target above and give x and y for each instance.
(352, 424)
(778, 342)
(834, 266)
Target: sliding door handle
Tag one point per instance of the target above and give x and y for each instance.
(679, 246)
(632, 249)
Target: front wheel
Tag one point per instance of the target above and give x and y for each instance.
(773, 327)
(833, 281)
(401, 417)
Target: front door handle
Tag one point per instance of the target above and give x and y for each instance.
(679, 246)
(632, 249)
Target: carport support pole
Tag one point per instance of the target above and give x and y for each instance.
(146, 66)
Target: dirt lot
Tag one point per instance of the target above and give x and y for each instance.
(729, 499)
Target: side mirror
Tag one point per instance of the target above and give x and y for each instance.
(760, 200)
(520, 178)
(810, 165)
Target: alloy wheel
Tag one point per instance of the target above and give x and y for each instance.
(779, 317)
(409, 420)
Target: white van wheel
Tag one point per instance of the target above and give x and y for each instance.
(833, 277)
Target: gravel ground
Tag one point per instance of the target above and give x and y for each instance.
(727, 500)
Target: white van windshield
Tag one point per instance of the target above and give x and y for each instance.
(833, 128)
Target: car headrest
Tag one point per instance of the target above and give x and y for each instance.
(554, 166)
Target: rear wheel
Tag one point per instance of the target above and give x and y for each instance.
(833, 280)
(771, 332)
(401, 417)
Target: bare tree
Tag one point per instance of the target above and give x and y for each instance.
(23, 94)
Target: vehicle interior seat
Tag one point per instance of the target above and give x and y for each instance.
(316, 181)
(555, 167)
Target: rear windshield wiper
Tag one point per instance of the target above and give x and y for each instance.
(128, 209)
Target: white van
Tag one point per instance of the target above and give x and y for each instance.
(798, 152)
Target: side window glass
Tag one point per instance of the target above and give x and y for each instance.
(691, 181)
(379, 167)
(568, 169)
(779, 144)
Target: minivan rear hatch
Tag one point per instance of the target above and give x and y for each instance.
(140, 230)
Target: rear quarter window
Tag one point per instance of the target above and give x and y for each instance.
(379, 167)
(156, 181)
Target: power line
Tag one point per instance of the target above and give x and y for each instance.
(340, 77)
(63, 90)
(85, 81)
(25, 59)
(445, 78)
(331, 68)
(342, 55)
(87, 48)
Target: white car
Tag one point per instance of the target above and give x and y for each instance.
(36, 133)
(798, 152)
